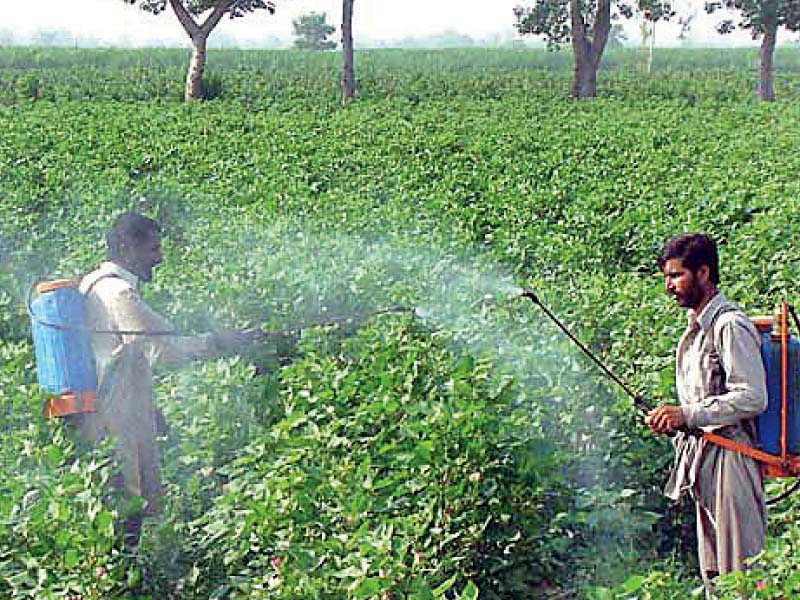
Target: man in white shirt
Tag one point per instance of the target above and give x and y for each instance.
(128, 339)
(721, 387)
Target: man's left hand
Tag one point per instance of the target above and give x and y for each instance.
(665, 419)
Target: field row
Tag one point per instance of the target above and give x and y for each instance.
(312, 79)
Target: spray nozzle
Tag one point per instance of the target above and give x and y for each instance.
(530, 294)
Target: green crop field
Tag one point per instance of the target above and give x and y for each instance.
(462, 450)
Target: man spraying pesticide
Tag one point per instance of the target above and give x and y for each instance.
(738, 384)
(721, 385)
(110, 385)
(96, 344)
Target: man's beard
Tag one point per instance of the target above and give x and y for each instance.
(691, 298)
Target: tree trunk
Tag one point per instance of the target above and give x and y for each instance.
(588, 52)
(766, 88)
(197, 64)
(199, 36)
(584, 81)
(348, 70)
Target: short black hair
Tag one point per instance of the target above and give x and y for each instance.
(694, 250)
(130, 228)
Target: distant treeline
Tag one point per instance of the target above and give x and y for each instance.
(312, 78)
(63, 38)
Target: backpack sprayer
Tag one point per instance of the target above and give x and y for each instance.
(778, 426)
(61, 340)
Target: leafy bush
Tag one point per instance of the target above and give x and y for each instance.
(56, 517)
(386, 472)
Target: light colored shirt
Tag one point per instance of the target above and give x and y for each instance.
(719, 373)
(128, 339)
(113, 304)
(721, 387)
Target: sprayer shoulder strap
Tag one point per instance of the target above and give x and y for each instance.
(92, 285)
(149, 333)
(98, 280)
(716, 324)
(713, 334)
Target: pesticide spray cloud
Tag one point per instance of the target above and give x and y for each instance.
(289, 275)
(230, 267)
(235, 269)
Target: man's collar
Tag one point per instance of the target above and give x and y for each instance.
(706, 316)
(112, 268)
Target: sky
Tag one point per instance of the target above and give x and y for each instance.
(115, 21)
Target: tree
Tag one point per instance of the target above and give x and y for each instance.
(762, 18)
(186, 12)
(587, 25)
(649, 25)
(311, 32)
(348, 69)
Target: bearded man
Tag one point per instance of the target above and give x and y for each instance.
(721, 388)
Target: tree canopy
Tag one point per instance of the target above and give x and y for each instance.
(312, 31)
(758, 15)
(552, 19)
(234, 8)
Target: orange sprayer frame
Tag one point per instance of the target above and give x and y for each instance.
(783, 465)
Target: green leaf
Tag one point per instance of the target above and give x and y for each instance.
(441, 589)
(470, 592)
(632, 584)
(54, 455)
(103, 520)
(71, 558)
(367, 587)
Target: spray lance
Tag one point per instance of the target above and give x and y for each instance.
(64, 358)
(337, 321)
(257, 335)
(639, 402)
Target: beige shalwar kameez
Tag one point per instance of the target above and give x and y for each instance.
(721, 387)
(124, 364)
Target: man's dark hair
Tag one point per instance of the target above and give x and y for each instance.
(694, 250)
(130, 229)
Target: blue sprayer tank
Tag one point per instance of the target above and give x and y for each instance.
(769, 422)
(64, 359)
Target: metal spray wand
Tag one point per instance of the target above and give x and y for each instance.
(638, 400)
